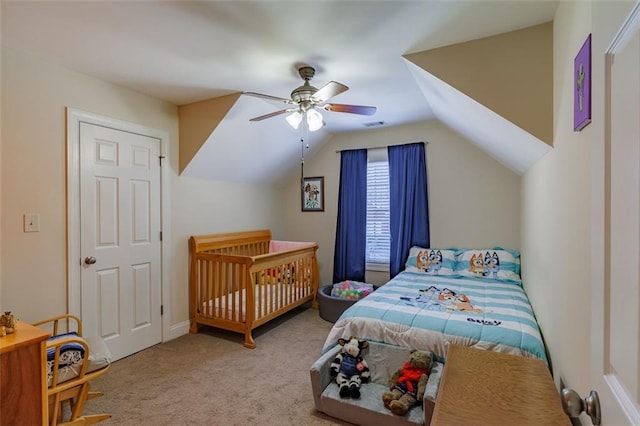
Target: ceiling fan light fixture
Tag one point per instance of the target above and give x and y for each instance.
(314, 120)
(307, 100)
(294, 119)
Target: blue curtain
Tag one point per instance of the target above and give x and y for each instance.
(409, 210)
(351, 229)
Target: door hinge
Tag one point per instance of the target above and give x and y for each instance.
(161, 310)
(161, 157)
(160, 235)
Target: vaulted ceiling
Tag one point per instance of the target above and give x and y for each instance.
(202, 55)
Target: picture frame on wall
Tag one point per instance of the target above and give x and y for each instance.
(582, 87)
(313, 194)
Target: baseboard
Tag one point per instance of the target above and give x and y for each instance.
(177, 330)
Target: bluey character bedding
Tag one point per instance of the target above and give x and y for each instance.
(466, 297)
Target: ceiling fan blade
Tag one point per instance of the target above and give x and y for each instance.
(329, 90)
(353, 109)
(271, 114)
(269, 97)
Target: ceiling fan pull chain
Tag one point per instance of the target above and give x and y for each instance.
(302, 161)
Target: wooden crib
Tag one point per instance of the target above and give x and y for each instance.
(239, 281)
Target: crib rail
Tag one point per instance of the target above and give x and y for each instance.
(283, 279)
(250, 243)
(237, 291)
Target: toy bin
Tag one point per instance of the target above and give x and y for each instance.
(331, 307)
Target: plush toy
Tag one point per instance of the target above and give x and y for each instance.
(349, 367)
(407, 384)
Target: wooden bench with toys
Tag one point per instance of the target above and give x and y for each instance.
(395, 386)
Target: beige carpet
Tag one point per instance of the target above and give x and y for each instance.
(210, 378)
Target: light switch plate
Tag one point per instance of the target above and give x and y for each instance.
(31, 222)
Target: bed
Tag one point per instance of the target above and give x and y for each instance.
(239, 281)
(449, 296)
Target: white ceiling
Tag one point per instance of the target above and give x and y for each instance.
(184, 51)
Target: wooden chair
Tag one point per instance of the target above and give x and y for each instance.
(72, 362)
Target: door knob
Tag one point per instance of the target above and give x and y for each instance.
(89, 260)
(573, 405)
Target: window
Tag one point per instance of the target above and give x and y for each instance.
(378, 223)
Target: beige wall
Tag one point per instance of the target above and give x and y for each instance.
(474, 201)
(1, 108)
(561, 221)
(556, 218)
(34, 96)
(197, 121)
(509, 73)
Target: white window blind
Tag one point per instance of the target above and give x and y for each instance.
(378, 226)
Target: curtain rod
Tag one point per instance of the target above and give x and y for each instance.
(379, 147)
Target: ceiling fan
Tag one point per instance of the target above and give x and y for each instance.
(306, 100)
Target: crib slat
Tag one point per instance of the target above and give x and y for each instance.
(236, 314)
(276, 283)
(203, 285)
(242, 292)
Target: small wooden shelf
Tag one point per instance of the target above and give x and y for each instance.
(23, 385)
(490, 388)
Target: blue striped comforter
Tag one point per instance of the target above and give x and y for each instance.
(429, 312)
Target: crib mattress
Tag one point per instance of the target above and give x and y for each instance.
(268, 298)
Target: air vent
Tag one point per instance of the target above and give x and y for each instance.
(374, 124)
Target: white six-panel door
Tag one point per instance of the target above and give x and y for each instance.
(120, 238)
(616, 329)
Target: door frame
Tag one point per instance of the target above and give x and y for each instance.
(74, 258)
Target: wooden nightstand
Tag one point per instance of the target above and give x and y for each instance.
(23, 378)
(489, 388)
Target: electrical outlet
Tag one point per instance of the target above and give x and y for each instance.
(31, 222)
